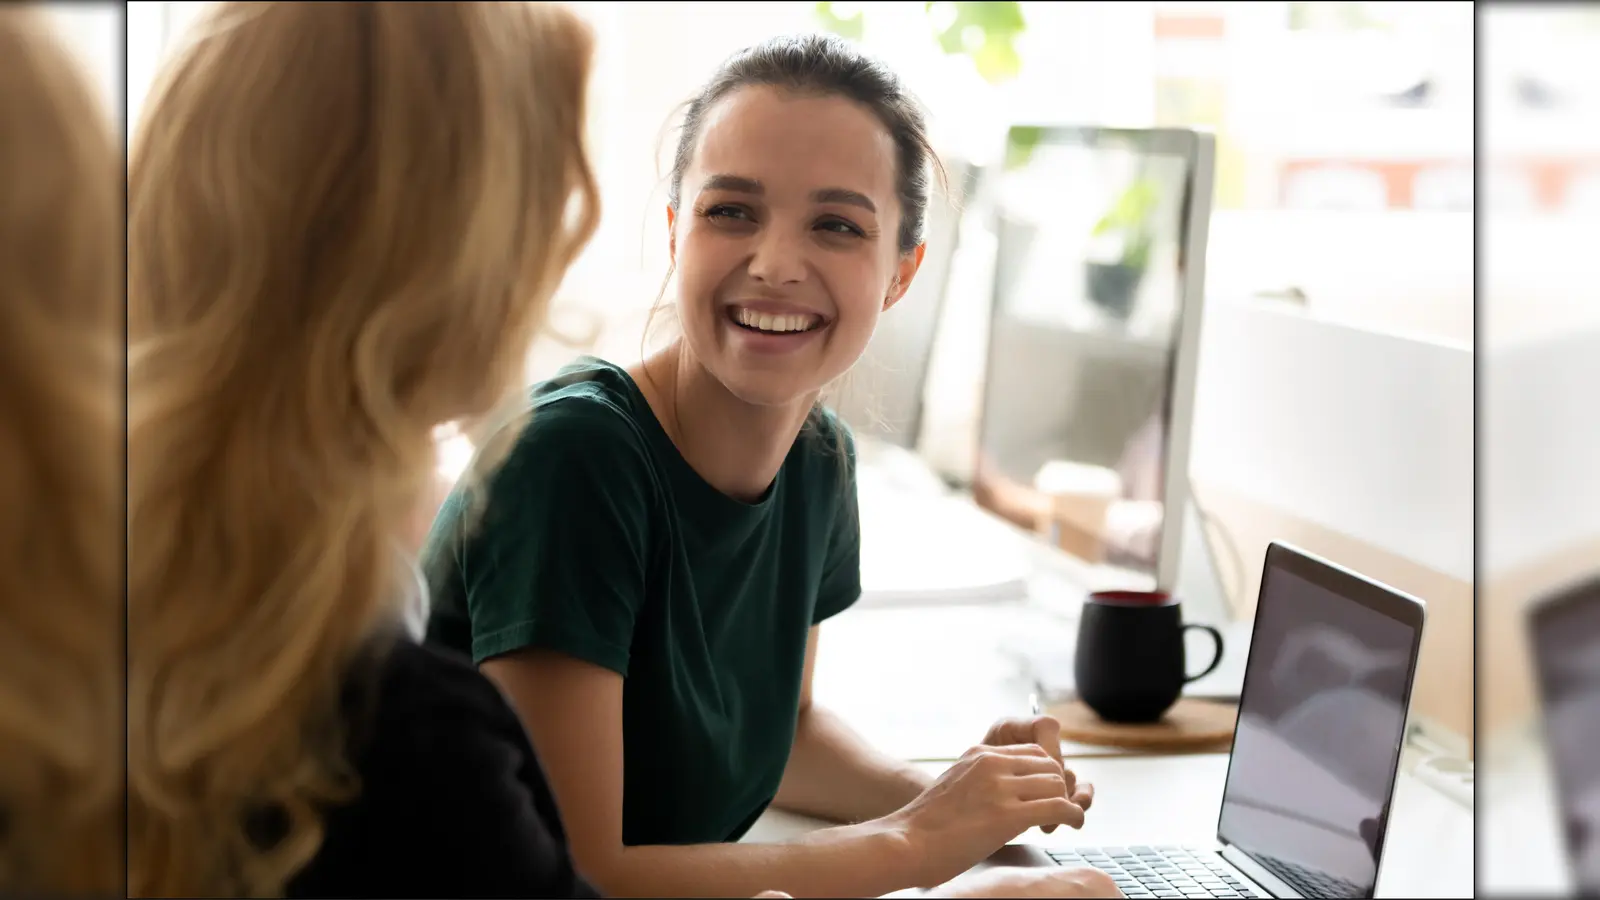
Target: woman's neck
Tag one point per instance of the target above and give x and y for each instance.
(737, 447)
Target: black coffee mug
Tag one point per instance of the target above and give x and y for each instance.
(1130, 664)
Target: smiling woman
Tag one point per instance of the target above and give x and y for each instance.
(784, 232)
(651, 566)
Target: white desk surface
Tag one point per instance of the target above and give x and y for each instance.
(1176, 799)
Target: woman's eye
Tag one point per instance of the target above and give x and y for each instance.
(839, 226)
(726, 212)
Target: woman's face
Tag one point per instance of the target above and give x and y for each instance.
(786, 242)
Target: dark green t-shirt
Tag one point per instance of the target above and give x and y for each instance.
(599, 540)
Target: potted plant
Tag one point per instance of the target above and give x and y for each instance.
(1119, 251)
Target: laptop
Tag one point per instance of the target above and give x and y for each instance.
(1316, 749)
(1564, 633)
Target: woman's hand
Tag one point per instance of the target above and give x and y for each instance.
(990, 795)
(1044, 731)
(1042, 881)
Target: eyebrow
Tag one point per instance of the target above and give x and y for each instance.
(742, 185)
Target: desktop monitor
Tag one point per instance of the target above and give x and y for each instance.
(884, 395)
(1094, 336)
(1565, 637)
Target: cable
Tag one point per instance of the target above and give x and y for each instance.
(1208, 525)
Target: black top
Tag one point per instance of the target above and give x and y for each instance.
(453, 802)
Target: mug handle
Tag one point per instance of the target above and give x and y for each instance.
(1216, 660)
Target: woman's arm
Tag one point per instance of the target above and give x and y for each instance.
(833, 773)
(573, 712)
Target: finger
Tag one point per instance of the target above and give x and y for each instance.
(1008, 731)
(1091, 882)
(1039, 787)
(1046, 731)
(1022, 749)
(1029, 760)
(1082, 794)
(1056, 811)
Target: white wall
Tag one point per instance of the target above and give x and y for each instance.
(1405, 272)
(1364, 433)
(1541, 389)
(1541, 452)
(1539, 275)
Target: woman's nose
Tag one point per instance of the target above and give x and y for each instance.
(779, 258)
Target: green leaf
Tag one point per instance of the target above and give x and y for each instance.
(849, 27)
(994, 54)
(1020, 144)
(1130, 214)
(997, 60)
(995, 18)
(950, 41)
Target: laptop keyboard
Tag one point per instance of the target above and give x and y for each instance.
(1308, 882)
(1160, 871)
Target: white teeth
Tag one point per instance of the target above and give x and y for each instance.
(772, 323)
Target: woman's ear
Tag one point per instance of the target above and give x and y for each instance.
(672, 235)
(904, 272)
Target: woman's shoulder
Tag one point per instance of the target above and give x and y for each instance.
(423, 686)
(828, 445)
(833, 431)
(426, 728)
(587, 398)
(587, 418)
(450, 793)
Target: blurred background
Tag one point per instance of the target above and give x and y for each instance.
(1539, 499)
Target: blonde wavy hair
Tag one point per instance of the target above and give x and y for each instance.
(345, 225)
(61, 615)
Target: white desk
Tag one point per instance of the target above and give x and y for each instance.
(1175, 800)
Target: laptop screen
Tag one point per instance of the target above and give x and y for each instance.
(1322, 717)
(1566, 650)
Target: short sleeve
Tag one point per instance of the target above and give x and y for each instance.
(559, 560)
(841, 571)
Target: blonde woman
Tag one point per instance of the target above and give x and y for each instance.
(61, 615)
(345, 221)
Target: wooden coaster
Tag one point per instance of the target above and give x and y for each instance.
(1192, 726)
